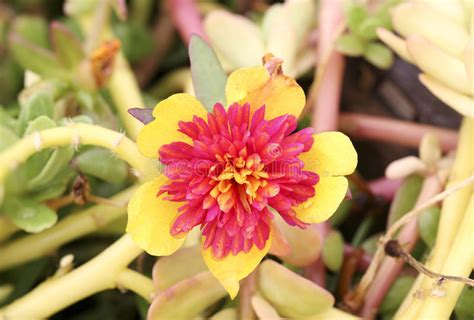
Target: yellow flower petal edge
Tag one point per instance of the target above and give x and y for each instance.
(164, 129)
(279, 93)
(244, 80)
(231, 269)
(332, 154)
(329, 193)
(150, 218)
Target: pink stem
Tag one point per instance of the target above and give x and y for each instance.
(326, 109)
(384, 187)
(391, 267)
(186, 18)
(395, 131)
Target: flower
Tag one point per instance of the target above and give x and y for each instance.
(224, 169)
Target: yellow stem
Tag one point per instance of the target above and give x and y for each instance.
(100, 273)
(126, 94)
(452, 213)
(7, 228)
(74, 135)
(136, 282)
(72, 227)
(458, 263)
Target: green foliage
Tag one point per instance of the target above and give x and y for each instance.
(428, 225)
(398, 291)
(361, 37)
(405, 198)
(29, 215)
(137, 41)
(333, 251)
(102, 164)
(209, 79)
(464, 309)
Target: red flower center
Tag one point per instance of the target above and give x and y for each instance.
(237, 167)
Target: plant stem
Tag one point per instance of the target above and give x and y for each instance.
(66, 230)
(7, 228)
(126, 94)
(186, 18)
(326, 89)
(100, 273)
(452, 213)
(136, 282)
(458, 263)
(391, 267)
(394, 131)
(384, 187)
(74, 135)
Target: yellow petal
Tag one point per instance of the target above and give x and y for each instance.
(332, 154)
(243, 81)
(330, 191)
(279, 93)
(164, 129)
(231, 269)
(150, 219)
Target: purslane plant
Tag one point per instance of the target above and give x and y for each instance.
(225, 168)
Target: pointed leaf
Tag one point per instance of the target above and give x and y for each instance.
(33, 29)
(209, 79)
(66, 45)
(35, 58)
(379, 55)
(28, 215)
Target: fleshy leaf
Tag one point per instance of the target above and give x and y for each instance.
(28, 215)
(35, 58)
(397, 293)
(379, 55)
(102, 164)
(144, 115)
(187, 298)
(278, 285)
(209, 79)
(40, 104)
(333, 251)
(67, 45)
(351, 45)
(428, 225)
(185, 263)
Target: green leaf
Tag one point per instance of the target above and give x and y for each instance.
(57, 162)
(34, 29)
(464, 309)
(351, 45)
(333, 251)
(405, 198)
(397, 293)
(379, 55)
(428, 225)
(367, 28)
(290, 294)
(187, 298)
(29, 215)
(35, 58)
(102, 164)
(67, 45)
(209, 79)
(7, 137)
(55, 189)
(137, 42)
(356, 15)
(39, 106)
